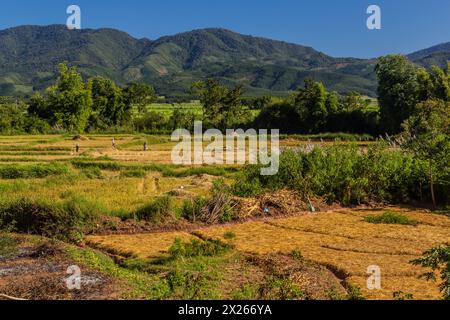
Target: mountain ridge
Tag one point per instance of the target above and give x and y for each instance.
(29, 56)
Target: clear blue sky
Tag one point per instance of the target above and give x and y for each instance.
(336, 27)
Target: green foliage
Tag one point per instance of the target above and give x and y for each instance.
(109, 107)
(15, 171)
(139, 94)
(341, 173)
(437, 259)
(397, 90)
(7, 243)
(198, 248)
(401, 296)
(134, 173)
(69, 101)
(156, 211)
(222, 107)
(68, 220)
(427, 136)
(354, 293)
(280, 288)
(390, 217)
(92, 173)
(191, 208)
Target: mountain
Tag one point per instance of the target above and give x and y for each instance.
(29, 56)
(438, 55)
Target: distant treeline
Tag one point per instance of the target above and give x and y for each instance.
(99, 105)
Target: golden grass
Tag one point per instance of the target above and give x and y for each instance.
(141, 245)
(339, 239)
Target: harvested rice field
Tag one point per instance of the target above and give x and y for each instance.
(340, 240)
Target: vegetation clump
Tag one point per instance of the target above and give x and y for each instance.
(390, 217)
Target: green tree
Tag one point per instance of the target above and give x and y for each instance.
(310, 102)
(398, 91)
(222, 108)
(140, 95)
(427, 135)
(108, 102)
(70, 100)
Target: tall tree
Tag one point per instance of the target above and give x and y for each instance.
(427, 135)
(70, 100)
(222, 108)
(140, 95)
(397, 91)
(310, 102)
(108, 102)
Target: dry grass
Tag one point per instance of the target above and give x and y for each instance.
(141, 245)
(339, 239)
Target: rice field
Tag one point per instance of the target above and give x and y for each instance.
(338, 239)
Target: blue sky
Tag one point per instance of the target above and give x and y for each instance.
(335, 27)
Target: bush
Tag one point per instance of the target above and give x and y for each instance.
(68, 220)
(438, 260)
(32, 171)
(390, 217)
(156, 211)
(192, 208)
(198, 248)
(344, 174)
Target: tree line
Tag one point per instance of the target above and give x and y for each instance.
(100, 105)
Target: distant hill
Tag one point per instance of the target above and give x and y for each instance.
(29, 56)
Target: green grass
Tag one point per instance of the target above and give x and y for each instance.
(31, 171)
(390, 217)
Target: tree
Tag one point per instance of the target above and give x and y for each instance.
(353, 102)
(222, 107)
(398, 91)
(311, 105)
(108, 102)
(139, 94)
(70, 100)
(427, 135)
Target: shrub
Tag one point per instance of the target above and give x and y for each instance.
(390, 217)
(280, 288)
(192, 208)
(156, 211)
(198, 248)
(68, 220)
(32, 171)
(344, 174)
(437, 259)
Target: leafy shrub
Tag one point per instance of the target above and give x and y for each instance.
(68, 220)
(191, 208)
(156, 211)
(198, 248)
(32, 171)
(390, 217)
(344, 174)
(437, 259)
(280, 288)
